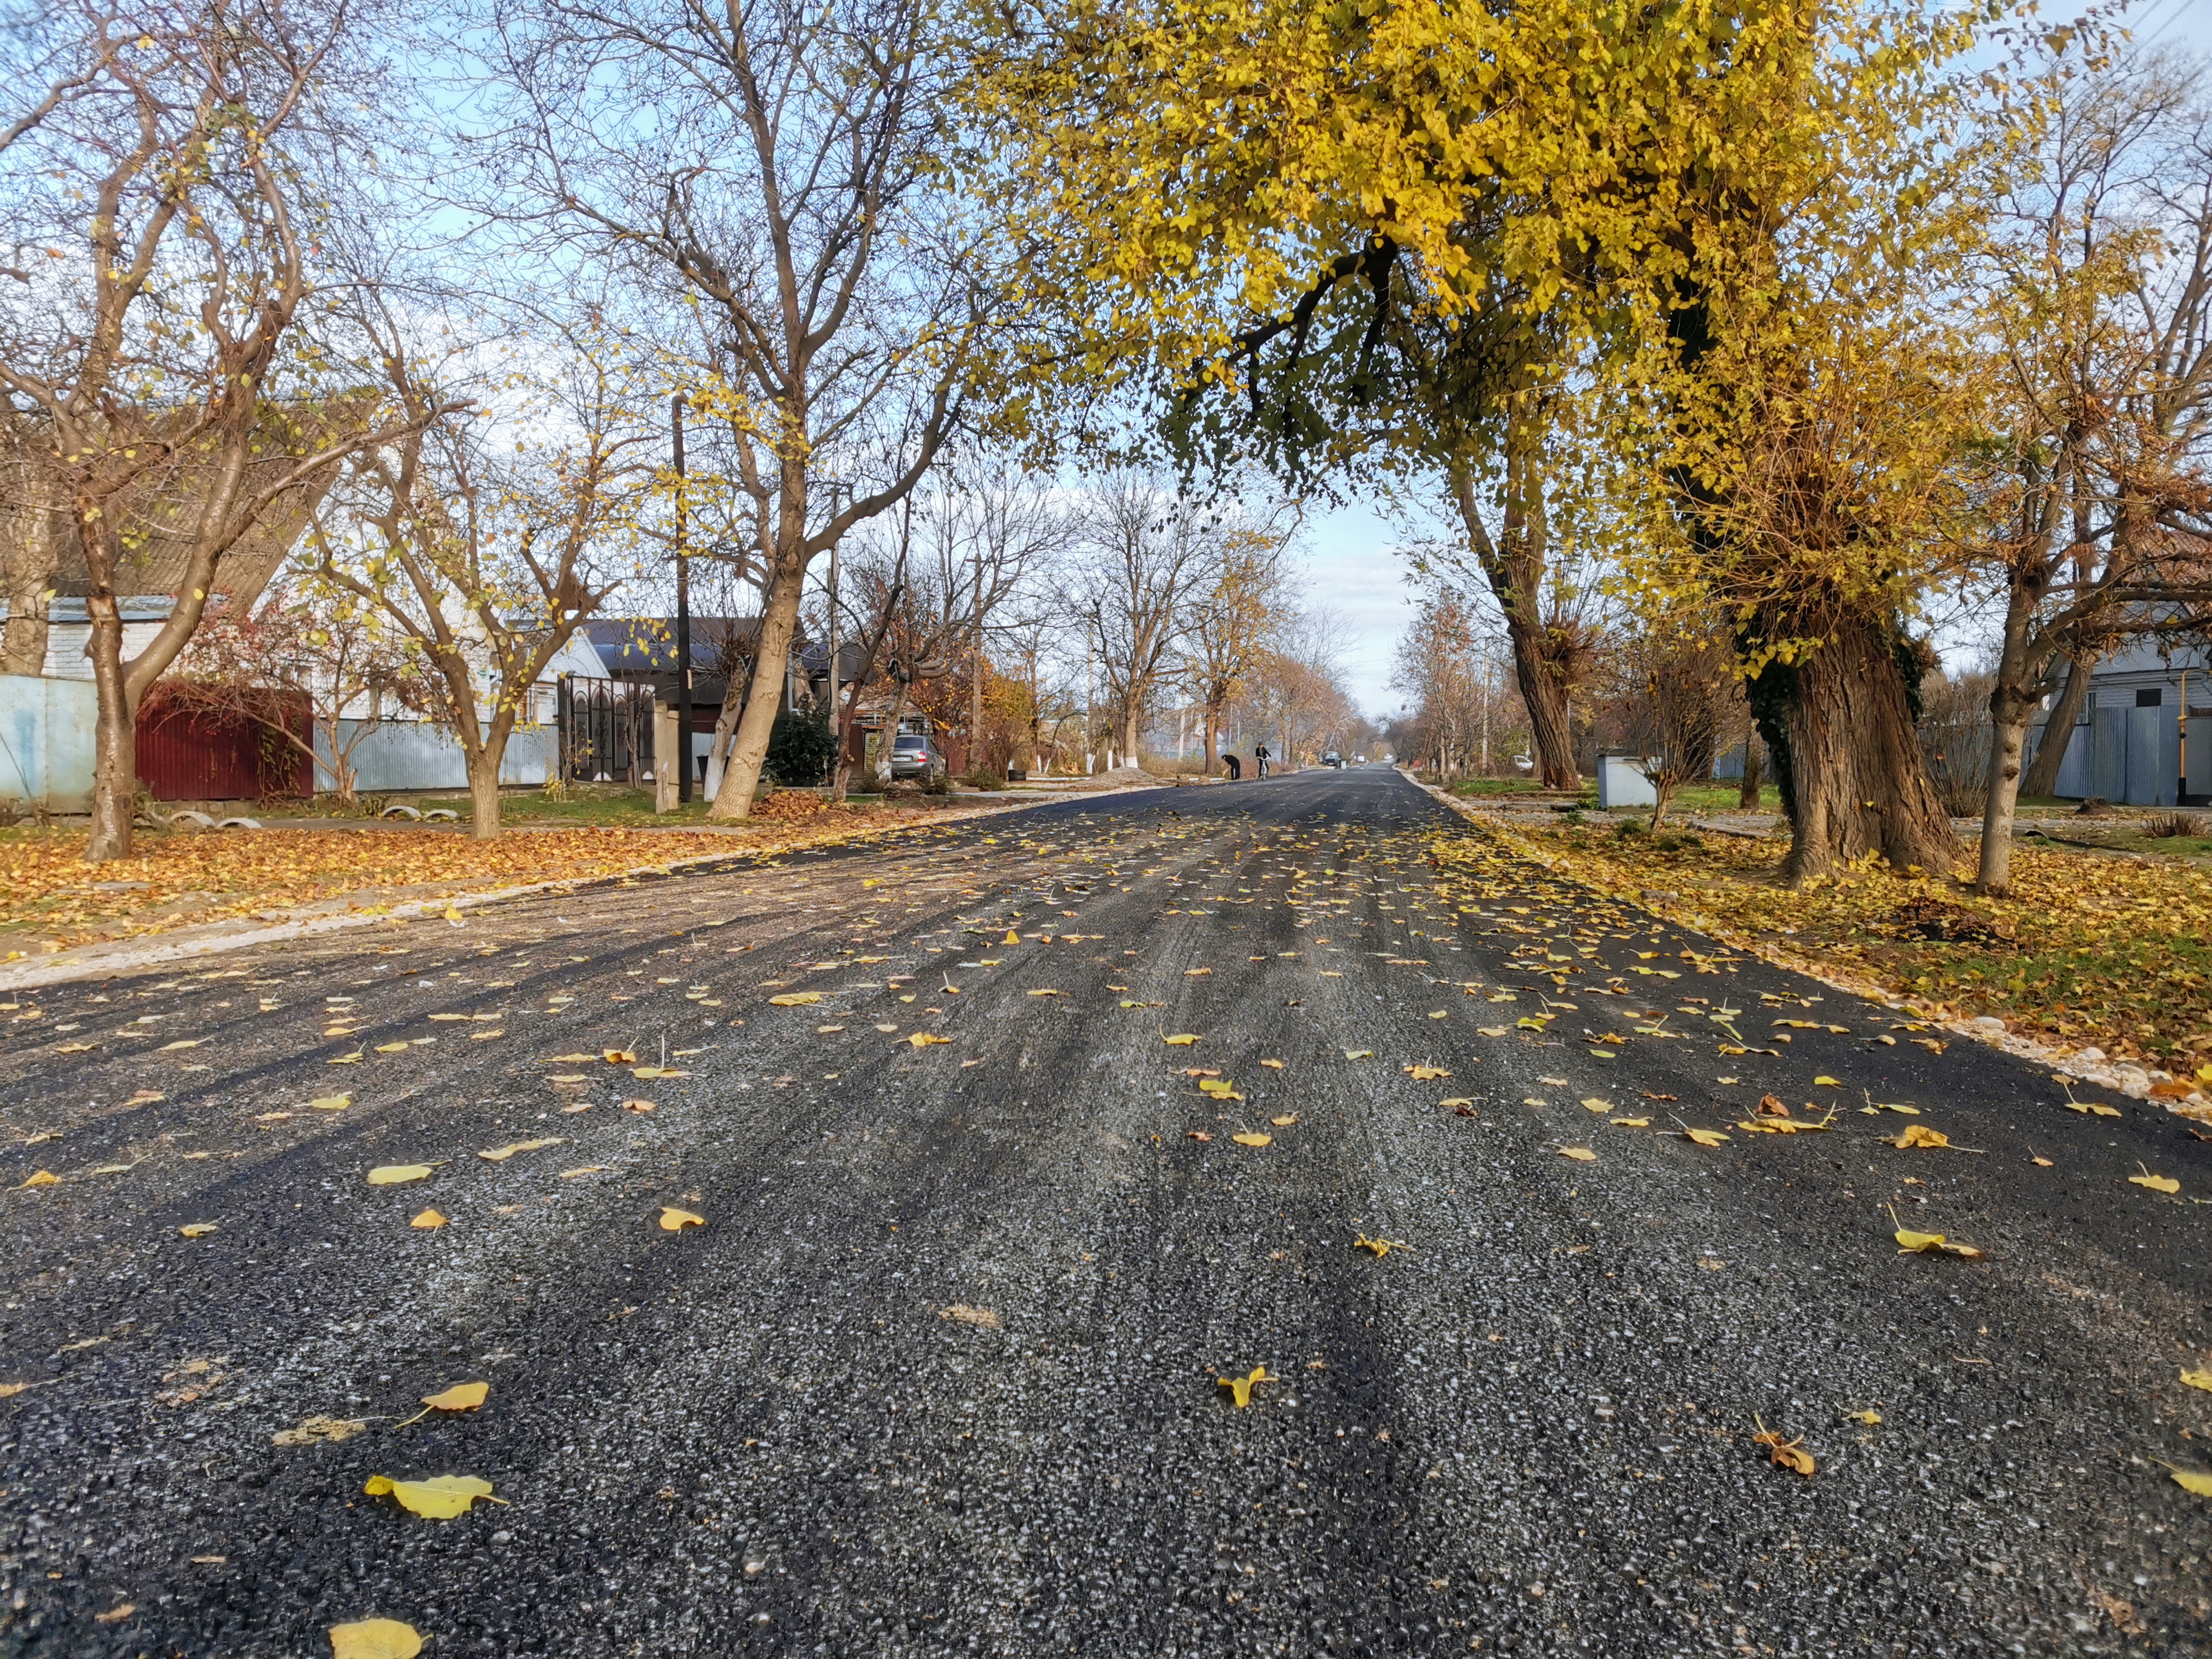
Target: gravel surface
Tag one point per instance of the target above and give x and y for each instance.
(939, 1371)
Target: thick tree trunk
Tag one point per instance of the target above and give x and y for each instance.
(2009, 721)
(1129, 737)
(1754, 758)
(1213, 738)
(1543, 682)
(2041, 778)
(483, 791)
(1855, 780)
(115, 736)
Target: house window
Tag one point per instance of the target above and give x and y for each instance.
(2150, 696)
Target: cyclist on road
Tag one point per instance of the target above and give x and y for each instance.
(1260, 755)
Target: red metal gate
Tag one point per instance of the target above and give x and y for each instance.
(192, 755)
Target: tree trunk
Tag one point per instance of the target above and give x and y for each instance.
(23, 636)
(1543, 684)
(726, 724)
(1855, 782)
(114, 736)
(2041, 778)
(1213, 738)
(483, 789)
(1129, 736)
(772, 658)
(888, 741)
(1754, 758)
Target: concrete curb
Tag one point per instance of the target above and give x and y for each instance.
(104, 961)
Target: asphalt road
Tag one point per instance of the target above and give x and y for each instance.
(938, 1373)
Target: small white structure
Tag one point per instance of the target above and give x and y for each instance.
(1622, 782)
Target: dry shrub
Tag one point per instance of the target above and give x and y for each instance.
(2173, 826)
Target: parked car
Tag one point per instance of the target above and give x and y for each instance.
(913, 756)
(1333, 760)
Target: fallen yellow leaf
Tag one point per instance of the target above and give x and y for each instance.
(925, 1039)
(795, 999)
(1272, 1064)
(395, 1175)
(2156, 1183)
(461, 1397)
(1284, 1121)
(1252, 1138)
(428, 1220)
(1180, 1040)
(675, 1221)
(1919, 1135)
(1580, 1154)
(1359, 1053)
(1825, 1082)
(618, 1057)
(439, 1498)
(331, 1103)
(42, 1178)
(2197, 1379)
(1382, 1247)
(1240, 1388)
(374, 1638)
(1594, 1105)
(1426, 1073)
(2190, 1480)
(1705, 1137)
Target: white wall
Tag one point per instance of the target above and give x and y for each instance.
(420, 755)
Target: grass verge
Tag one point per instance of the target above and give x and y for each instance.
(2087, 952)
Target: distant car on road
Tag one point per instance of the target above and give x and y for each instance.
(1333, 759)
(913, 756)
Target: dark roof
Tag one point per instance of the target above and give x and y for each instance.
(640, 647)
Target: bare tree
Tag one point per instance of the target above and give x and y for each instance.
(328, 652)
(1145, 558)
(2102, 303)
(1682, 695)
(488, 562)
(792, 199)
(163, 404)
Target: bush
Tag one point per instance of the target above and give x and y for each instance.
(984, 778)
(2174, 826)
(1633, 829)
(1679, 840)
(800, 748)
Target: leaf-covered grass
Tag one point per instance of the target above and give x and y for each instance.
(2088, 949)
(51, 898)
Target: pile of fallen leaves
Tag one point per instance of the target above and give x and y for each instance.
(51, 898)
(788, 803)
(2088, 950)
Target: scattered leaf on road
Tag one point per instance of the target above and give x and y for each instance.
(961, 1314)
(2156, 1183)
(428, 1220)
(395, 1175)
(1580, 1154)
(1240, 1388)
(1252, 1138)
(196, 1229)
(1382, 1247)
(1705, 1137)
(1180, 1040)
(1784, 1454)
(1919, 1135)
(675, 1221)
(374, 1638)
(500, 1154)
(441, 1498)
(1426, 1073)
(795, 999)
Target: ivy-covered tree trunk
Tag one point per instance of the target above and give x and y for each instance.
(1838, 724)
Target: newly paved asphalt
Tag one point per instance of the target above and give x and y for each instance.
(938, 1375)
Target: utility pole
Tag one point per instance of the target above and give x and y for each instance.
(682, 757)
(976, 672)
(1090, 695)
